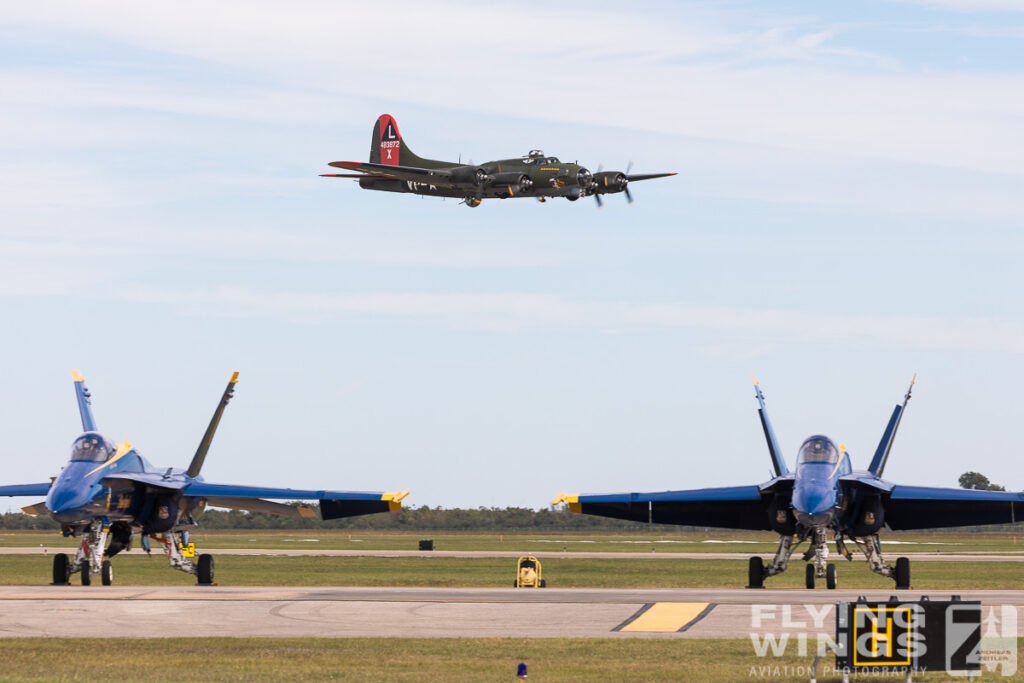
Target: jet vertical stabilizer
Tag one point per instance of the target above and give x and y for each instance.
(204, 445)
(778, 462)
(84, 402)
(885, 445)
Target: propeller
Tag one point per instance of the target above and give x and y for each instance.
(625, 185)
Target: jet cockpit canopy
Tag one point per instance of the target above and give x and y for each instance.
(818, 449)
(91, 446)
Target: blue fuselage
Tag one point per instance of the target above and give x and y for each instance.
(78, 495)
(816, 493)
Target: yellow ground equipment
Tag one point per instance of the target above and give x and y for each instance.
(528, 573)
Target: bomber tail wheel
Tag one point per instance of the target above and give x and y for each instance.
(902, 572)
(755, 573)
(830, 577)
(86, 579)
(61, 567)
(205, 569)
(107, 573)
(809, 573)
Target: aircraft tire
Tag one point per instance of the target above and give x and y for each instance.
(543, 583)
(755, 573)
(61, 565)
(902, 572)
(809, 575)
(107, 573)
(205, 570)
(86, 579)
(830, 577)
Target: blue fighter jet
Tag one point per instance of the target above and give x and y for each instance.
(110, 490)
(824, 497)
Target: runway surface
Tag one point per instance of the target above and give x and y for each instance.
(546, 554)
(176, 611)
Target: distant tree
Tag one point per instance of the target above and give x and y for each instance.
(978, 481)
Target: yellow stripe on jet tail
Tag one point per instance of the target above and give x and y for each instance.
(666, 617)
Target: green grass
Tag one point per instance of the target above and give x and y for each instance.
(134, 569)
(402, 659)
(537, 541)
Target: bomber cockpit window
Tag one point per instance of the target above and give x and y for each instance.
(90, 448)
(818, 450)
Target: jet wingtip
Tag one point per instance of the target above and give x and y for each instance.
(77, 376)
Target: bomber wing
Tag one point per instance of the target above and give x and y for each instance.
(647, 176)
(410, 173)
(731, 507)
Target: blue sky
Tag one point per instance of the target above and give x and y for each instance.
(847, 212)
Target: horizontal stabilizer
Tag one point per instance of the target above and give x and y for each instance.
(259, 505)
(37, 510)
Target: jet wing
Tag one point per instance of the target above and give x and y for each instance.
(25, 489)
(411, 173)
(924, 507)
(333, 504)
(731, 507)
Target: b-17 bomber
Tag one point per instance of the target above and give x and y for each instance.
(394, 168)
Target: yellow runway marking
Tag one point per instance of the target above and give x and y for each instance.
(666, 617)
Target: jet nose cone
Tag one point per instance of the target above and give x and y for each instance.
(65, 502)
(816, 519)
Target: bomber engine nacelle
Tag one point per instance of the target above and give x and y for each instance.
(469, 175)
(518, 183)
(608, 182)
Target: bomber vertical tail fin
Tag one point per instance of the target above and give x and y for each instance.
(204, 446)
(387, 147)
(778, 462)
(889, 435)
(84, 402)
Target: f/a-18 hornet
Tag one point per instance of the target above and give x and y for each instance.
(110, 490)
(824, 497)
(394, 168)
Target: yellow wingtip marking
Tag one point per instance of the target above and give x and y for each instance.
(77, 376)
(234, 376)
(394, 499)
(913, 379)
(754, 378)
(572, 501)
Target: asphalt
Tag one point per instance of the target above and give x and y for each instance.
(155, 612)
